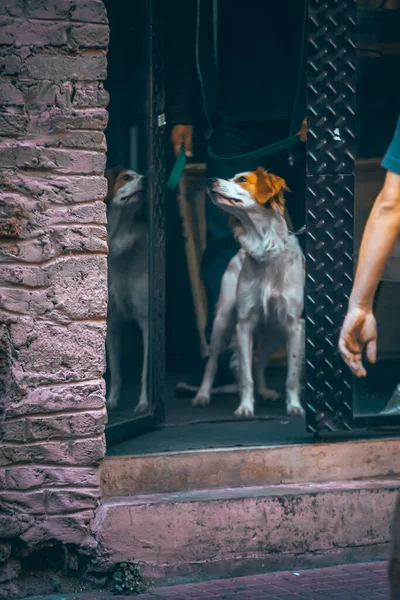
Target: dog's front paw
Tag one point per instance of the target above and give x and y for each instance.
(244, 410)
(142, 406)
(112, 399)
(201, 400)
(267, 394)
(295, 409)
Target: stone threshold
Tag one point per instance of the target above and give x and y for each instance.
(185, 471)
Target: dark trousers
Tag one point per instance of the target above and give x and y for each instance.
(231, 139)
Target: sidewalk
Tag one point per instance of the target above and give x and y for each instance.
(367, 581)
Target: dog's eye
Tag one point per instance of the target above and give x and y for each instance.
(127, 178)
(241, 179)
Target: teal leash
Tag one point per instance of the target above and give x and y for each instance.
(181, 159)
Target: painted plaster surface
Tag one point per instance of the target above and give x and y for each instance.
(53, 278)
(220, 531)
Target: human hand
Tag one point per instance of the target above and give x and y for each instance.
(358, 333)
(182, 135)
(303, 131)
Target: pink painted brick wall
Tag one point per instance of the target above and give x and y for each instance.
(53, 274)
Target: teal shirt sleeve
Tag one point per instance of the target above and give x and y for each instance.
(391, 160)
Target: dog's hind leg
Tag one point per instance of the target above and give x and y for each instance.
(113, 346)
(294, 356)
(265, 350)
(143, 401)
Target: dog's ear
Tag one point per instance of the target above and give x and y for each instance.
(111, 176)
(270, 189)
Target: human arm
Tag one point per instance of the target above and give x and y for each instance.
(359, 331)
(182, 84)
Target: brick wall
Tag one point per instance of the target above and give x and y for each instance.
(53, 278)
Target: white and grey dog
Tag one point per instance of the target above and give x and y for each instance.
(261, 298)
(128, 280)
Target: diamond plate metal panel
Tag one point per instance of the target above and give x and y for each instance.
(331, 86)
(157, 202)
(330, 190)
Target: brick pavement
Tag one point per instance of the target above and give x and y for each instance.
(366, 580)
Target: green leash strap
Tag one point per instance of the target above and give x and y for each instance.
(285, 144)
(177, 170)
(181, 159)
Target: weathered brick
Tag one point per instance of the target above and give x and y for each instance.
(62, 502)
(10, 65)
(34, 215)
(23, 276)
(90, 96)
(86, 395)
(90, 36)
(48, 9)
(62, 68)
(83, 119)
(37, 95)
(70, 295)
(13, 125)
(89, 11)
(79, 296)
(88, 140)
(48, 501)
(5, 551)
(80, 239)
(10, 570)
(25, 478)
(89, 212)
(14, 431)
(37, 250)
(53, 353)
(10, 228)
(33, 303)
(59, 160)
(17, 502)
(10, 95)
(69, 529)
(12, 526)
(55, 244)
(12, 8)
(86, 452)
(58, 190)
(60, 426)
(32, 33)
(52, 222)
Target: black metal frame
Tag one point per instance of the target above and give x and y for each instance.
(331, 102)
(156, 198)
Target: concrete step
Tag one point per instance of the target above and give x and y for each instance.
(243, 467)
(237, 531)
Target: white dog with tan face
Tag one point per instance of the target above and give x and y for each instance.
(261, 298)
(128, 280)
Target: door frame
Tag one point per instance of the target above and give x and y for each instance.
(156, 204)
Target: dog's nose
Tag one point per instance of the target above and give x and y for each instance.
(211, 180)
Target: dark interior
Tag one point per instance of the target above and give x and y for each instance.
(187, 427)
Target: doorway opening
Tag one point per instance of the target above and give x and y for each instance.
(134, 76)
